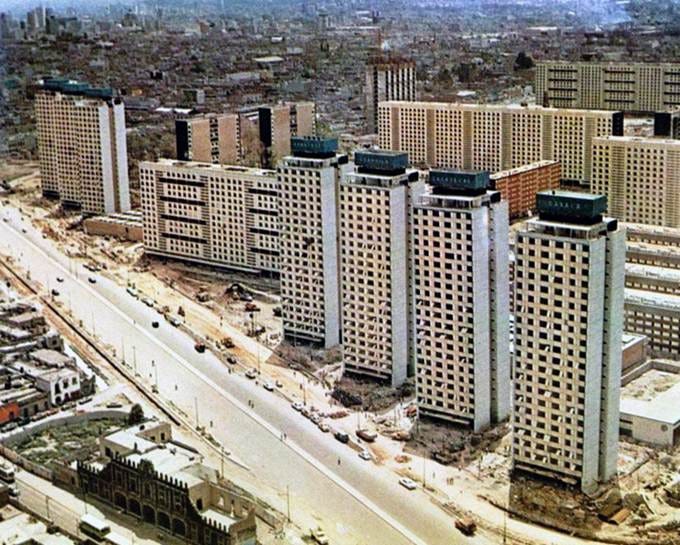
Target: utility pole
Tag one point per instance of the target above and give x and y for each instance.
(196, 408)
(288, 501)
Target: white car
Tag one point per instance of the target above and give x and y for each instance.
(365, 455)
(268, 386)
(251, 374)
(297, 406)
(407, 483)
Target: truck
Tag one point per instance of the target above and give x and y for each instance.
(466, 526)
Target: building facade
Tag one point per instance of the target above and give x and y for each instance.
(375, 203)
(519, 186)
(495, 137)
(461, 300)
(569, 323)
(226, 216)
(252, 136)
(640, 177)
(309, 264)
(629, 86)
(388, 77)
(82, 146)
(161, 483)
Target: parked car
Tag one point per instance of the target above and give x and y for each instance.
(148, 302)
(298, 406)
(251, 374)
(232, 359)
(55, 293)
(324, 427)
(174, 320)
(132, 291)
(268, 386)
(408, 483)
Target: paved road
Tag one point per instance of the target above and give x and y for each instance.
(356, 501)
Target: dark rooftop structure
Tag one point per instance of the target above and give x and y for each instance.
(72, 87)
(313, 146)
(571, 207)
(461, 182)
(381, 162)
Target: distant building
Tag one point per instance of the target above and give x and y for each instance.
(163, 483)
(252, 136)
(667, 124)
(460, 300)
(640, 177)
(375, 202)
(568, 340)
(625, 86)
(308, 211)
(212, 214)
(82, 146)
(519, 186)
(495, 137)
(388, 77)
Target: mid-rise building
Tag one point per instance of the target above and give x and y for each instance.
(82, 146)
(308, 213)
(519, 186)
(640, 177)
(629, 86)
(460, 298)
(226, 216)
(252, 136)
(667, 124)
(495, 137)
(375, 202)
(388, 77)
(568, 328)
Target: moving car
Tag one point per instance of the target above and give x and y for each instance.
(154, 324)
(407, 483)
(132, 291)
(319, 536)
(466, 526)
(341, 436)
(92, 280)
(60, 279)
(148, 301)
(55, 293)
(232, 359)
(366, 435)
(199, 347)
(365, 455)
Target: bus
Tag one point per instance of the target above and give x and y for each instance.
(94, 528)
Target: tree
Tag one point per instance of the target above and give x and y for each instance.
(523, 61)
(136, 415)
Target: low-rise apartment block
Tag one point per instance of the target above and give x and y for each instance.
(375, 202)
(212, 214)
(640, 177)
(519, 186)
(629, 86)
(495, 137)
(308, 210)
(568, 340)
(82, 146)
(460, 299)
